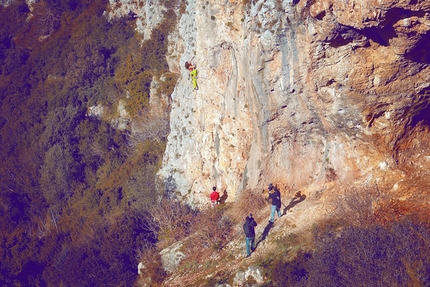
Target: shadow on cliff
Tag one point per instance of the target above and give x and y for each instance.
(298, 197)
(421, 51)
(223, 197)
(423, 117)
(264, 234)
(384, 32)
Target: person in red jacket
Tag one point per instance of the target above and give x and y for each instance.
(214, 197)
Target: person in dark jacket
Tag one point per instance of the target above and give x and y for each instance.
(275, 196)
(248, 228)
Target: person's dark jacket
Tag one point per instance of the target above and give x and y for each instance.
(251, 224)
(276, 198)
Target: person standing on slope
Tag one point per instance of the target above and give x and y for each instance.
(248, 228)
(214, 197)
(275, 196)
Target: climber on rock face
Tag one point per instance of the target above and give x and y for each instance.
(193, 72)
(189, 65)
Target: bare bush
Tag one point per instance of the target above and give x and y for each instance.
(171, 220)
(211, 229)
(356, 207)
(150, 127)
(152, 272)
(374, 255)
(246, 203)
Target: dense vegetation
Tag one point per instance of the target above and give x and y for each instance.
(74, 190)
(395, 255)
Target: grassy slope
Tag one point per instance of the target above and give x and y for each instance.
(335, 236)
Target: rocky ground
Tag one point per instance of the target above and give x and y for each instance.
(294, 230)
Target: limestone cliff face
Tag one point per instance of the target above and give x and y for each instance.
(301, 93)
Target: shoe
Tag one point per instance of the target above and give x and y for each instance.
(249, 255)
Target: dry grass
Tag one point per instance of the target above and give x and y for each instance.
(247, 202)
(171, 222)
(354, 207)
(149, 127)
(211, 229)
(153, 273)
(205, 248)
(350, 239)
(368, 240)
(393, 210)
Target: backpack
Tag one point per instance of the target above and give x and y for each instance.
(246, 228)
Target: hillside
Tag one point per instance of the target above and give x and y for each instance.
(109, 154)
(328, 98)
(77, 176)
(340, 236)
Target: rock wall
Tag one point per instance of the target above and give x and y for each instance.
(301, 93)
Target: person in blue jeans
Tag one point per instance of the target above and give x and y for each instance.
(248, 228)
(275, 196)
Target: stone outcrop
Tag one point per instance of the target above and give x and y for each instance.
(252, 272)
(171, 257)
(301, 93)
